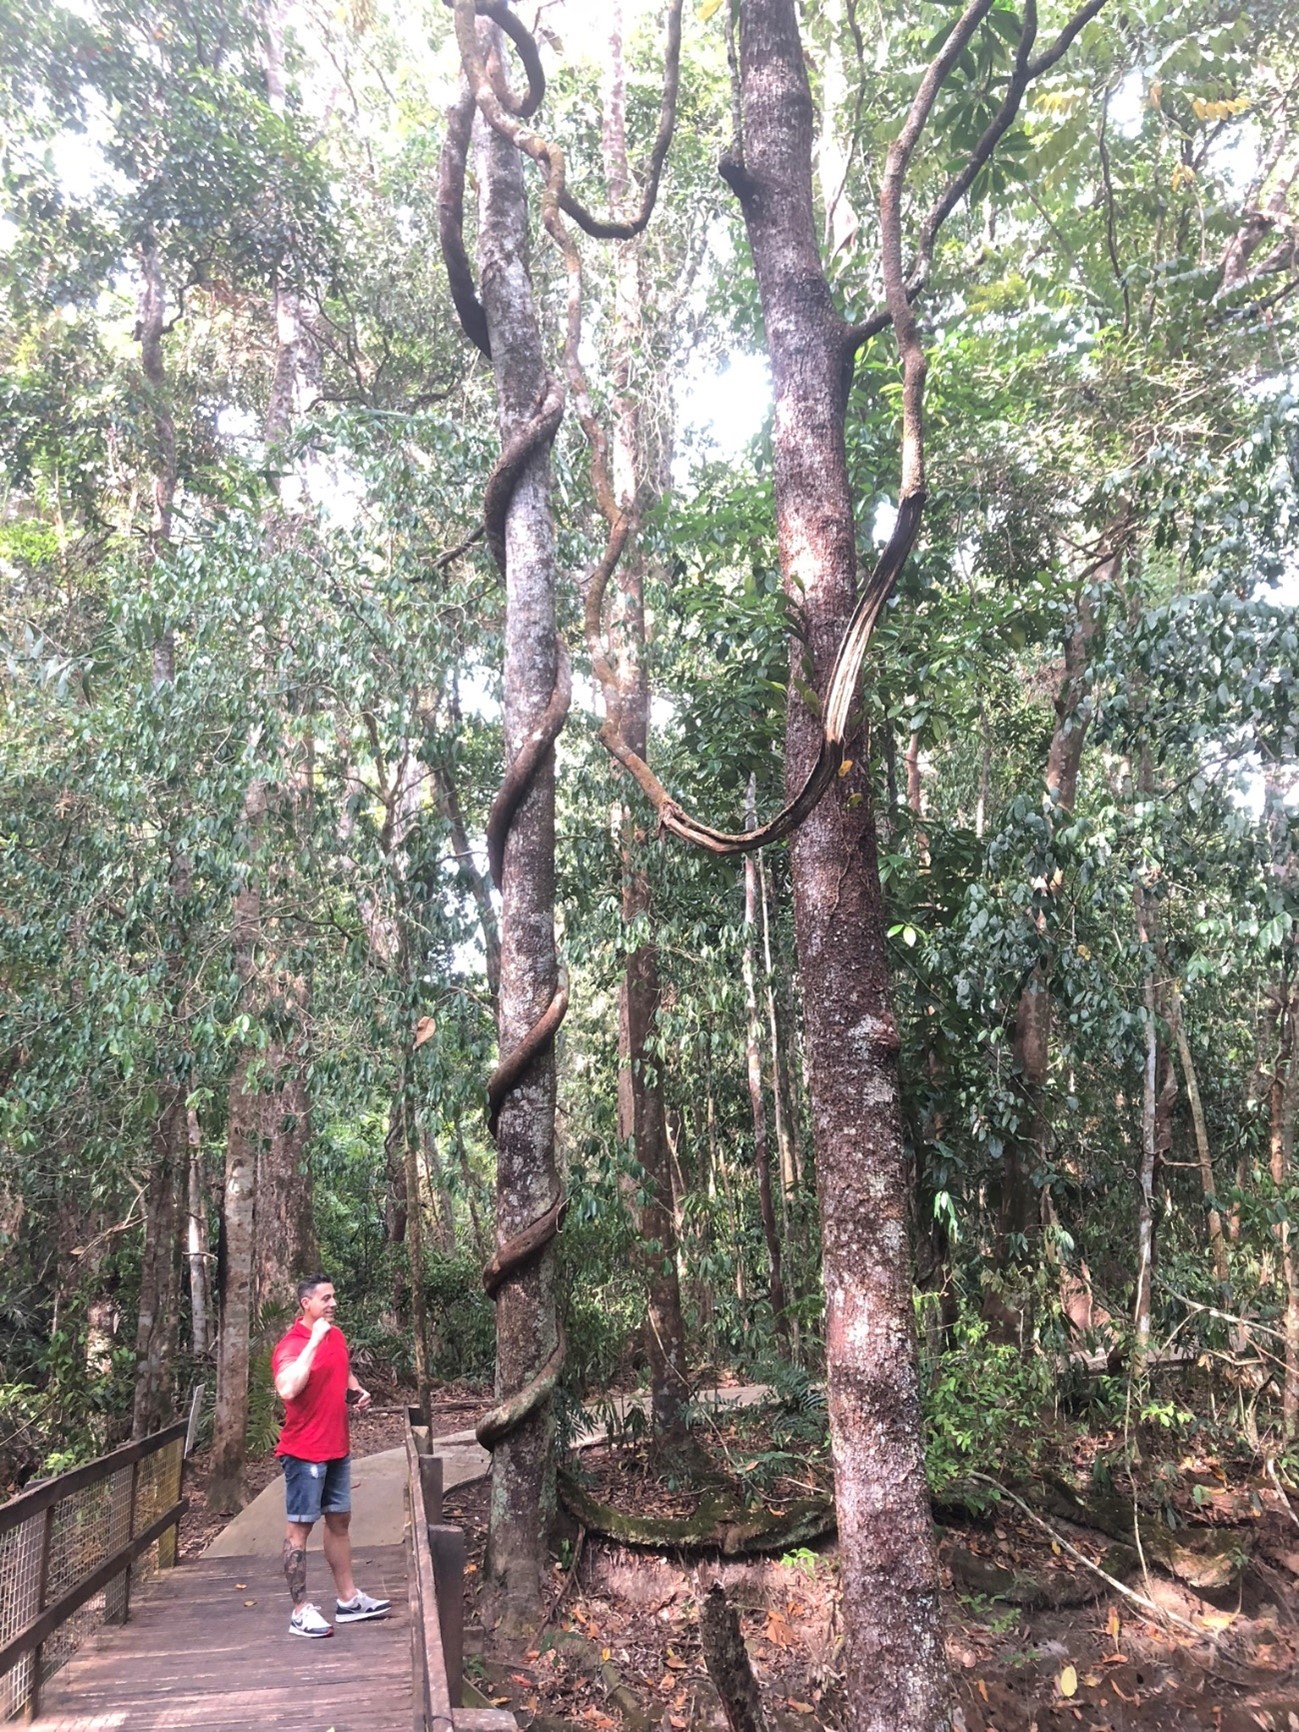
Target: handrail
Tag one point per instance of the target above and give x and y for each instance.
(437, 1574)
(47, 1491)
(76, 1536)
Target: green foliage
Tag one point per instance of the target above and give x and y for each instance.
(984, 1403)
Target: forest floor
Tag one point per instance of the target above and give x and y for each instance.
(620, 1649)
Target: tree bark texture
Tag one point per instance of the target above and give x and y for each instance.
(895, 1669)
(527, 1182)
(727, 1660)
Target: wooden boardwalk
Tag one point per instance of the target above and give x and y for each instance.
(208, 1646)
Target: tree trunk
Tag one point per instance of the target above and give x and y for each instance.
(285, 1248)
(641, 1117)
(1026, 1154)
(1283, 1097)
(757, 1099)
(527, 1182)
(245, 1129)
(159, 1272)
(1146, 1185)
(200, 1302)
(159, 1293)
(790, 1167)
(895, 1669)
(230, 1422)
(415, 1250)
(1213, 1216)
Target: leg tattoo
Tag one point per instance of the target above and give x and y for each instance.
(295, 1571)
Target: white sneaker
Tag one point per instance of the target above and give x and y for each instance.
(360, 1606)
(307, 1621)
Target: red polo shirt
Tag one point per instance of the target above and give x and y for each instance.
(315, 1422)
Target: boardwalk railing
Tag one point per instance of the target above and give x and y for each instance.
(437, 1586)
(69, 1550)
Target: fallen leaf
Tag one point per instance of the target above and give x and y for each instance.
(675, 1661)
(1067, 1682)
(778, 1631)
(982, 1688)
(241, 1584)
(1218, 1620)
(1112, 1625)
(1122, 1694)
(250, 1602)
(518, 1678)
(797, 1706)
(1091, 1680)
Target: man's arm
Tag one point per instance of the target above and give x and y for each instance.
(292, 1379)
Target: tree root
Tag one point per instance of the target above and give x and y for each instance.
(1199, 1557)
(1051, 1590)
(720, 1524)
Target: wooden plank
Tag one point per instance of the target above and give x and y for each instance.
(38, 1629)
(447, 1548)
(484, 1720)
(214, 1664)
(430, 1473)
(36, 1498)
(438, 1695)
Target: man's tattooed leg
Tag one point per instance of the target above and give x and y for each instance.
(295, 1571)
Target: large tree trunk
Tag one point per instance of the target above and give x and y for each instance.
(527, 1182)
(641, 1116)
(895, 1670)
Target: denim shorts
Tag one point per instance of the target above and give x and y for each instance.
(316, 1488)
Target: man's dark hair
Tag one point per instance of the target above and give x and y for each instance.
(309, 1283)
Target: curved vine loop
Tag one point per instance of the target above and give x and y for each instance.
(511, 1260)
(524, 1248)
(508, 1415)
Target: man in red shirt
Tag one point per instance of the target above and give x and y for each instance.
(313, 1378)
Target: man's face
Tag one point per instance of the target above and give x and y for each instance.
(320, 1302)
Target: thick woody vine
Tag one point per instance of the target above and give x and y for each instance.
(509, 113)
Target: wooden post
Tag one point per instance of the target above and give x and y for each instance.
(430, 1473)
(42, 1588)
(117, 1595)
(169, 1542)
(447, 1545)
